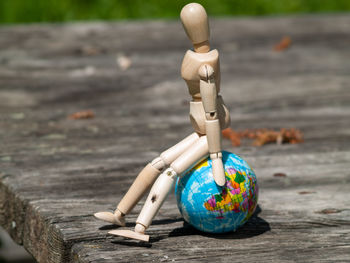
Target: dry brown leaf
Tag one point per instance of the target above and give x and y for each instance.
(87, 114)
(90, 50)
(329, 211)
(279, 175)
(306, 192)
(283, 44)
(291, 136)
(264, 136)
(232, 136)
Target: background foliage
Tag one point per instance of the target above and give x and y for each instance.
(24, 11)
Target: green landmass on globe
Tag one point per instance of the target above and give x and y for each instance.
(233, 196)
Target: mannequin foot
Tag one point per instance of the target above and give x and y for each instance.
(117, 218)
(138, 234)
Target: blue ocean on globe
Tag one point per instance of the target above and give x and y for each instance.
(214, 209)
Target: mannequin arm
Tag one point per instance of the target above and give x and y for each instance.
(212, 125)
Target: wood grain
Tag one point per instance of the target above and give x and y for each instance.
(56, 172)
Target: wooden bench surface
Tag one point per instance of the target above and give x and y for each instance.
(56, 172)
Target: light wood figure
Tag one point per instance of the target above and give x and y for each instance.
(208, 114)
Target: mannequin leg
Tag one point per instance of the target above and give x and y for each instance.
(162, 187)
(145, 180)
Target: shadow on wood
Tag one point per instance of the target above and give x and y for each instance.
(129, 224)
(254, 227)
(134, 243)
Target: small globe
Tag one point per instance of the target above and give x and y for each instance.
(214, 209)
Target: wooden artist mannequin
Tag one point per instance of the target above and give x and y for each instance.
(201, 71)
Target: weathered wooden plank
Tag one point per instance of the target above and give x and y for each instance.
(56, 172)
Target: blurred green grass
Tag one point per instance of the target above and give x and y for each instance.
(27, 11)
